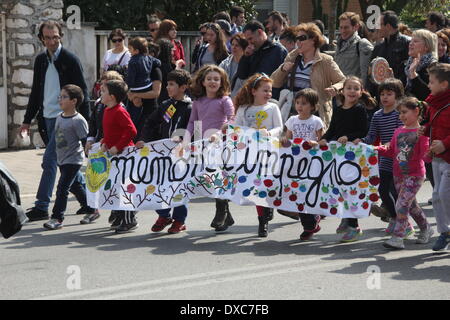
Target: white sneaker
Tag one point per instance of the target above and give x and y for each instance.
(425, 235)
(394, 243)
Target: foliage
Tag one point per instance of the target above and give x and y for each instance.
(188, 15)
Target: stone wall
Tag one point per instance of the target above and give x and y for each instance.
(23, 20)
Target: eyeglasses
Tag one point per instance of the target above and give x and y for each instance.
(116, 40)
(63, 97)
(302, 38)
(55, 38)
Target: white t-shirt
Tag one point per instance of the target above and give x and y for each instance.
(111, 58)
(305, 129)
(261, 117)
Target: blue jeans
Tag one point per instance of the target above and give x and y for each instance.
(49, 166)
(70, 179)
(179, 213)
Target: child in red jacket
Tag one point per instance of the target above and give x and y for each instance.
(118, 133)
(438, 129)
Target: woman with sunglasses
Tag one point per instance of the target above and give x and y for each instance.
(216, 49)
(307, 67)
(119, 54)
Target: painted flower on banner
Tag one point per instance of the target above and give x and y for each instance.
(131, 188)
(151, 189)
(145, 151)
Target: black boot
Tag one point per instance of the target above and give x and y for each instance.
(263, 227)
(268, 213)
(221, 213)
(229, 221)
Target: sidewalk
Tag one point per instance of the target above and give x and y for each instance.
(25, 165)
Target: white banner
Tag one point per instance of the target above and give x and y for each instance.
(248, 169)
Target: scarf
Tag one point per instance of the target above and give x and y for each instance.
(439, 101)
(425, 61)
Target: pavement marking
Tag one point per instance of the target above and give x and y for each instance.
(284, 267)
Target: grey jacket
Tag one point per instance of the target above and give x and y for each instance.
(353, 57)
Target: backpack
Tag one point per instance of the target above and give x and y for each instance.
(12, 216)
(117, 67)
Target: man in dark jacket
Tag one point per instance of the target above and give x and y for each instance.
(53, 69)
(266, 58)
(394, 48)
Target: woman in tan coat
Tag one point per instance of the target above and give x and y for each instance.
(307, 67)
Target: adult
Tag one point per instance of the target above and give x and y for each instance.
(53, 69)
(199, 42)
(237, 15)
(226, 30)
(119, 54)
(230, 64)
(307, 67)
(276, 24)
(267, 55)
(422, 54)
(435, 21)
(443, 47)
(352, 53)
(215, 51)
(393, 47)
(153, 26)
(168, 30)
(288, 39)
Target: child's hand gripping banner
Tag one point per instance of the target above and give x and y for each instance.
(247, 168)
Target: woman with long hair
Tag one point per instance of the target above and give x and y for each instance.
(216, 50)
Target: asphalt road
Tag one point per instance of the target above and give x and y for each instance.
(91, 262)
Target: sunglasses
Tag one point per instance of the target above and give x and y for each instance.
(202, 33)
(116, 40)
(302, 38)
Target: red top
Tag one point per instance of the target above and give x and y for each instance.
(440, 126)
(178, 50)
(118, 129)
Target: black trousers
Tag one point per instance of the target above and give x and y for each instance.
(387, 191)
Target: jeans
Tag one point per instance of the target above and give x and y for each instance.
(70, 179)
(441, 199)
(49, 166)
(179, 213)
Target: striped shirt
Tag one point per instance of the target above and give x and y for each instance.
(383, 126)
(303, 75)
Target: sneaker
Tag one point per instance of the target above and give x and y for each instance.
(425, 235)
(177, 227)
(351, 235)
(116, 223)
(307, 234)
(53, 224)
(342, 227)
(89, 218)
(35, 214)
(442, 242)
(394, 243)
(125, 228)
(391, 227)
(409, 232)
(161, 224)
(378, 211)
(229, 221)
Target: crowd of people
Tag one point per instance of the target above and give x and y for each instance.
(242, 70)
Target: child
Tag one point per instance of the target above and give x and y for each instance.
(211, 110)
(96, 132)
(70, 129)
(348, 123)
(168, 121)
(118, 133)
(408, 151)
(382, 126)
(254, 110)
(308, 127)
(438, 129)
(139, 68)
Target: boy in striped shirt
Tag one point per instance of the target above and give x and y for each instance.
(382, 127)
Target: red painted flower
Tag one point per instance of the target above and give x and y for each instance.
(131, 188)
(298, 140)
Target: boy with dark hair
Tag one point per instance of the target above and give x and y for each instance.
(170, 121)
(383, 124)
(438, 129)
(118, 133)
(70, 129)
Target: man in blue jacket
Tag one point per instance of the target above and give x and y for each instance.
(53, 69)
(266, 58)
